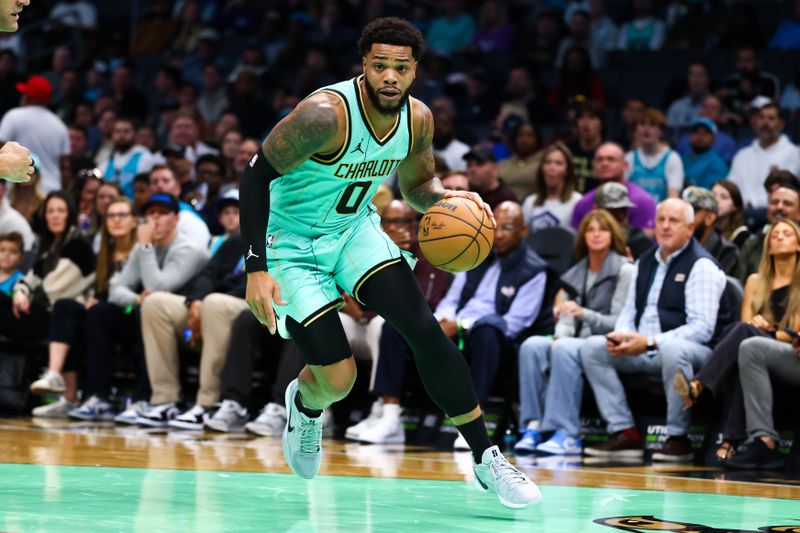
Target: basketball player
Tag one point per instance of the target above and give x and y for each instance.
(16, 164)
(307, 226)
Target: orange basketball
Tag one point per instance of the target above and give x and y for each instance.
(456, 235)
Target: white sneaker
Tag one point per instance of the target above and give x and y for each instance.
(158, 416)
(375, 413)
(387, 430)
(230, 417)
(48, 383)
(513, 488)
(132, 413)
(270, 422)
(58, 409)
(460, 444)
(302, 437)
(193, 419)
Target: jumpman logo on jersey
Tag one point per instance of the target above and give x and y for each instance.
(358, 148)
(250, 253)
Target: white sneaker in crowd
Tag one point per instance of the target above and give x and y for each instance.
(375, 413)
(48, 383)
(388, 429)
(230, 417)
(57, 409)
(270, 421)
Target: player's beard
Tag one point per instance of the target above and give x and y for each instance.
(376, 102)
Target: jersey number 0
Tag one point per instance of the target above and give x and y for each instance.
(348, 206)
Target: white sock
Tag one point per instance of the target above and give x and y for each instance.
(533, 424)
(391, 410)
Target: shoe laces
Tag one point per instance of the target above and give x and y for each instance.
(506, 473)
(310, 436)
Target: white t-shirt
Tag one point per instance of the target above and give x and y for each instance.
(44, 134)
(673, 170)
(192, 226)
(751, 167)
(551, 213)
(453, 154)
(12, 220)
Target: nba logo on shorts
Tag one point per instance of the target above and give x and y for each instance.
(253, 160)
(270, 238)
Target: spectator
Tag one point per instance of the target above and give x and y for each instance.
(603, 30)
(383, 425)
(577, 81)
(248, 104)
(146, 136)
(25, 198)
(543, 31)
(787, 36)
(518, 171)
(141, 191)
(705, 229)
(767, 307)
(731, 212)
(451, 32)
(185, 131)
(210, 172)
(213, 100)
(49, 140)
(487, 321)
(104, 144)
(188, 28)
(445, 144)
(62, 269)
(671, 315)
(589, 128)
(771, 150)
(644, 32)
(522, 99)
(555, 196)
(724, 144)
(580, 34)
(68, 319)
(760, 358)
(613, 197)
(127, 159)
(455, 180)
(228, 219)
(83, 191)
(154, 33)
(684, 111)
(494, 33)
(748, 82)
(626, 130)
(596, 288)
(229, 148)
(163, 260)
(12, 220)
(78, 141)
(60, 61)
(784, 203)
(129, 101)
(610, 165)
(484, 178)
(654, 166)
(190, 224)
(205, 315)
(11, 250)
(247, 150)
(703, 165)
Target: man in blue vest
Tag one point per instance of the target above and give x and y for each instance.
(127, 158)
(506, 298)
(670, 318)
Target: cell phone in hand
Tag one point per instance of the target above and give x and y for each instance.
(792, 333)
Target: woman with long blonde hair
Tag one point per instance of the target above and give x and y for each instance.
(771, 302)
(117, 237)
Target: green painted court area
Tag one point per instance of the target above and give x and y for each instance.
(69, 498)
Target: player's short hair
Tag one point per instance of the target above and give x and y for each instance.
(14, 238)
(392, 30)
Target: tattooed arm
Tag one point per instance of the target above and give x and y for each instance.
(418, 183)
(313, 127)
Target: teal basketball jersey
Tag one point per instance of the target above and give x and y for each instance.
(329, 193)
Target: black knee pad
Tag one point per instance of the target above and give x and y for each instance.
(323, 341)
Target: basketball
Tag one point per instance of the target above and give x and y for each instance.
(456, 235)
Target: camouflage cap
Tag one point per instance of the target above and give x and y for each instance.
(700, 198)
(612, 195)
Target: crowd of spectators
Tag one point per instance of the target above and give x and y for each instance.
(555, 111)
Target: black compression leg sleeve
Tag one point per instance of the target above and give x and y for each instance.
(394, 294)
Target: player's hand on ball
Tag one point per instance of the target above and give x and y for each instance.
(16, 164)
(475, 197)
(262, 292)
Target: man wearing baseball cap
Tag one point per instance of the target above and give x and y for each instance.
(703, 166)
(484, 177)
(706, 212)
(613, 197)
(49, 139)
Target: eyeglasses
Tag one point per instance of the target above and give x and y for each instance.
(397, 221)
(118, 216)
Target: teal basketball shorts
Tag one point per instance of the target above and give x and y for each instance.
(310, 270)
